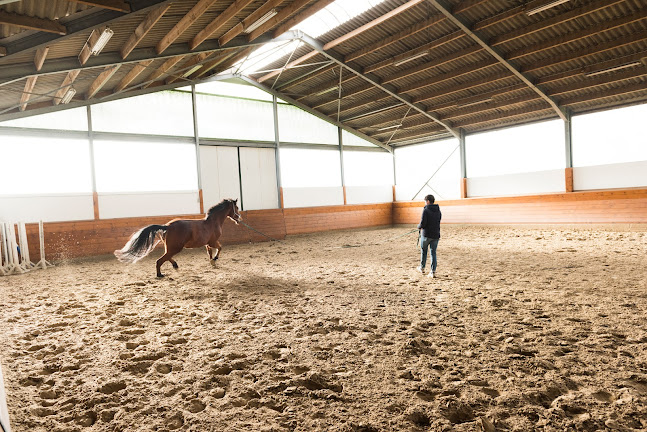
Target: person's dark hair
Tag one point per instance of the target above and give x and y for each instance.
(430, 198)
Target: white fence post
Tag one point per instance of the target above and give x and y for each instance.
(4, 255)
(25, 262)
(13, 250)
(43, 263)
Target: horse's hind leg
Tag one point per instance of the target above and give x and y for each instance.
(173, 263)
(166, 257)
(210, 247)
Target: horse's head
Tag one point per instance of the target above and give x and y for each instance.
(233, 212)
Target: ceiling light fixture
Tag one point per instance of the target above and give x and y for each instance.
(482, 101)
(613, 68)
(545, 7)
(408, 59)
(323, 92)
(389, 127)
(191, 71)
(259, 22)
(101, 42)
(69, 94)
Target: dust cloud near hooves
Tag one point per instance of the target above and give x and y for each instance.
(523, 328)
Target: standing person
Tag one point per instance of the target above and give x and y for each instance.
(429, 227)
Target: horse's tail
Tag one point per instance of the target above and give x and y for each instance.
(140, 244)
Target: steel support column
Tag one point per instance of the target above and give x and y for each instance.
(197, 147)
(463, 158)
(93, 171)
(277, 144)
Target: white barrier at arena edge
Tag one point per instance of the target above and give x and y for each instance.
(4, 412)
(14, 256)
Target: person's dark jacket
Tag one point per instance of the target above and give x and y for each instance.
(430, 222)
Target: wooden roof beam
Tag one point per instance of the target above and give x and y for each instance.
(245, 23)
(163, 69)
(39, 59)
(184, 70)
(444, 8)
(282, 15)
(100, 81)
(131, 75)
(301, 17)
(143, 28)
(217, 23)
(192, 16)
(32, 23)
(116, 5)
(213, 63)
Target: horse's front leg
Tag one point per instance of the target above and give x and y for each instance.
(210, 253)
(218, 247)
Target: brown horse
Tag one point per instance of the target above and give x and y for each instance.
(179, 234)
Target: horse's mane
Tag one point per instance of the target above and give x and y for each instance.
(222, 205)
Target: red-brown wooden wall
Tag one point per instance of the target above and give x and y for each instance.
(97, 237)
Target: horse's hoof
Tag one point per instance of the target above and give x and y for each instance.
(160, 275)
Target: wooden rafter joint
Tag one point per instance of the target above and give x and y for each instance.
(3, 51)
(32, 23)
(116, 5)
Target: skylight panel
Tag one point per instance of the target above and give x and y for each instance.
(332, 16)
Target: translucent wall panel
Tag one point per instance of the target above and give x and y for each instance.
(219, 171)
(234, 118)
(437, 162)
(298, 126)
(309, 168)
(610, 136)
(42, 164)
(529, 148)
(349, 139)
(71, 119)
(258, 172)
(231, 89)
(363, 168)
(132, 166)
(162, 113)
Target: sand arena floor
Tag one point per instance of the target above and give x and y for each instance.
(525, 328)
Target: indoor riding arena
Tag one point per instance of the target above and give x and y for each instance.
(323, 215)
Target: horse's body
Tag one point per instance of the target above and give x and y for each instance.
(179, 234)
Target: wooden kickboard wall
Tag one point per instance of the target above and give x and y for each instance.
(97, 237)
(621, 206)
(64, 240)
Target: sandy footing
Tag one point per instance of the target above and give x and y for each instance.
(524, 328)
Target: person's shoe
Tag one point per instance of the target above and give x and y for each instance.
(431, 275)
(420, 269)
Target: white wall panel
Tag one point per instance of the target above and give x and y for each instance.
(369, 194)
(313, 196)
(620, 175)
(219, 172)
(517, 184)
(119, 205)
(48, 208)
(258, 172)
(442, 188)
